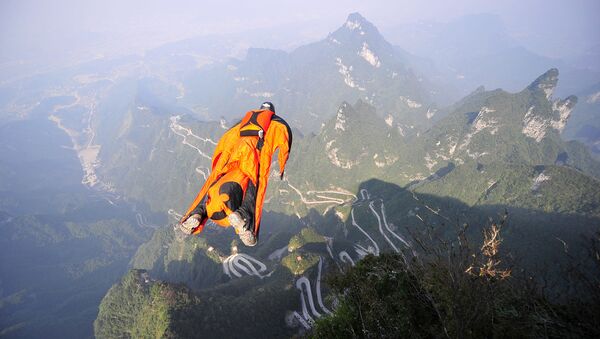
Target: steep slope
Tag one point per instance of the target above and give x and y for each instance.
(149, 308)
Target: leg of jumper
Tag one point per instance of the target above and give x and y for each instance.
(201, 210)
(248, 206)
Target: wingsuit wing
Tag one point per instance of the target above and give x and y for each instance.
(278, 136)
(220, 158)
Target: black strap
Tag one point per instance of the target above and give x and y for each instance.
(259, 144)
(250, 133)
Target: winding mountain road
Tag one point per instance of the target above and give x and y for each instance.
(306, 298)
(323, 197)
(383, 227)
(235, 263)
(346, 258)
(180, 130)
(318, 288)
(375, 249)
(142, 221)
(174, 214)
(303, 284)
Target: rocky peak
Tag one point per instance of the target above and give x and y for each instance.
(536, 122)
(356, 29)
(356, 22)
(545, 83)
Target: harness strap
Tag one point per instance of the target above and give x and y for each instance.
(255, 124)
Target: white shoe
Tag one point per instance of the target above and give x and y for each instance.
(190, 224)
(246, 235)
(248, 238)
(236, 221)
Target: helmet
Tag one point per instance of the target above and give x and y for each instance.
(268, 105)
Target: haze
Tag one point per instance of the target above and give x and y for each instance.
(36, 34)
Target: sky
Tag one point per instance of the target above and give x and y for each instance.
(549, 27)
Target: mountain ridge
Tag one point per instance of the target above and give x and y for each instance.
(352, 62)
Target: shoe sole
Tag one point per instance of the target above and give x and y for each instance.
(248, 238)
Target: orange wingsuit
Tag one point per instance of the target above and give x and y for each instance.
(241, 164)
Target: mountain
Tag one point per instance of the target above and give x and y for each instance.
(500, 126)
(353, 62)
(485, 127)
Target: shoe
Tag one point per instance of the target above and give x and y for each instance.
(236, 221)
(246, 235)
(248, 238)
(190, 224)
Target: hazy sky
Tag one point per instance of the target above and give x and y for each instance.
(28, 24)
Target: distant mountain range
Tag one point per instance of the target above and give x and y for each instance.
(476, 50)
(353, 62)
